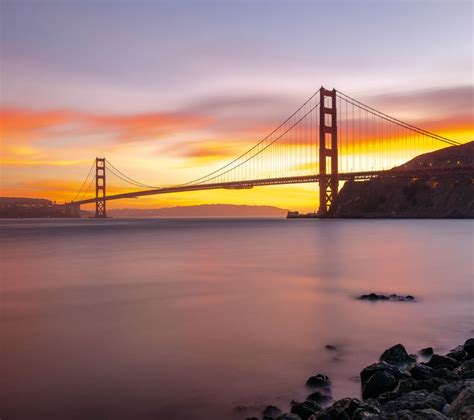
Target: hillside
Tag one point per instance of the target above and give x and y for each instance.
(205, 210)
(415, 198)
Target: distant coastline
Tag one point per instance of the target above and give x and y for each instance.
(18, 207)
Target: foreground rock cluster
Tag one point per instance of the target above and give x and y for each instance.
(396, 387)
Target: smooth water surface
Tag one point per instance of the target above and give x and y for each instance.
(188, 319)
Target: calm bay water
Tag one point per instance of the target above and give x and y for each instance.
(187, 319)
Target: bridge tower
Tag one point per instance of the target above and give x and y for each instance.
(328, 167)
(100, 187)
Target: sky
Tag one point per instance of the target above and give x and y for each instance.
(171, 90)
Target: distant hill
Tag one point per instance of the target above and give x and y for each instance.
(416, 198)
(205, 210)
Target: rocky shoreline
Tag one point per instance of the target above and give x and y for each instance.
(396, 387)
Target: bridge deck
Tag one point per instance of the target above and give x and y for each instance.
(467, 170)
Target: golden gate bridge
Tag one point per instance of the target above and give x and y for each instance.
(331, 137)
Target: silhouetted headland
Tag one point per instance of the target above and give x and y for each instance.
(443, 197)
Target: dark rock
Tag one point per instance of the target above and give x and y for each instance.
(425, 414)
(330, 413)
(421, 372)
(451, 390)
(388, 396)
(469, 347)
(370, 370)
(458, 354)
(319, 397)
(349, 405)
(416, 400)
(375, 297)
(411, 384)
(467, 413)
(466, 369)
(305, 409)
(318, 381)
(377, 384)
(330, 347)
(370, 408)
(464, 399)
(396, 355)
(289, 416)
(438, 361)
(271, 412)
(447, 374)
(427, 351)
(251, 418)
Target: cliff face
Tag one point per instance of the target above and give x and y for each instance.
(424, 198)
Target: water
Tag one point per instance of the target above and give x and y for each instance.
(187, 319)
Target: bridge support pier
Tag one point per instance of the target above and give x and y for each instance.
(100, 210)
(328, 158)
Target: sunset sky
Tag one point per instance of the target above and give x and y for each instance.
(170, 90)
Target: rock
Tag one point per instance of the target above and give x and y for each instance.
(305, 409)
(451, 391)
(330, 347)
(469, 347)
(438, 361)
(377, 384)
(427, 351)
(395, 298)
(349, 405)
(331, 413)
(425, 414)
(464, 399)
(370, 408)
(411, 384)
(319, 381)
(467, 413)
(421, 372)
(416, 400)
(271, 412)
(370, 370)
(388, 396)
(289, 416)
(396, 355)
(319, 397)
(466, 369)
(458, 354)
(447, 374)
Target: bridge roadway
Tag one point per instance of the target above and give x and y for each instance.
(238, 185)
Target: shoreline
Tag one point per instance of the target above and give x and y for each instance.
(397, 386)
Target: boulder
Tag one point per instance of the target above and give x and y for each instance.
(289, 416)
(421, 371)
(467, 413)
(451, 390)
(438, 361)
(271, 412)
(330, 347)
(447, 374)
(425, 414)
(464, 399)
(458, 354)
(416, 400)
(318, 381)
(469, 347)
(305, 409)
(411, 384)
(396, 355)
(377, 384)
(370, 370)
(466, 369)
(367, 409)
(427, 351)
(319, 397)
(349, 405)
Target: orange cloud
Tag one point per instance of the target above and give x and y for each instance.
(19, 125)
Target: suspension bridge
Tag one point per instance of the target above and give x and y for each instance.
(330, 138)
